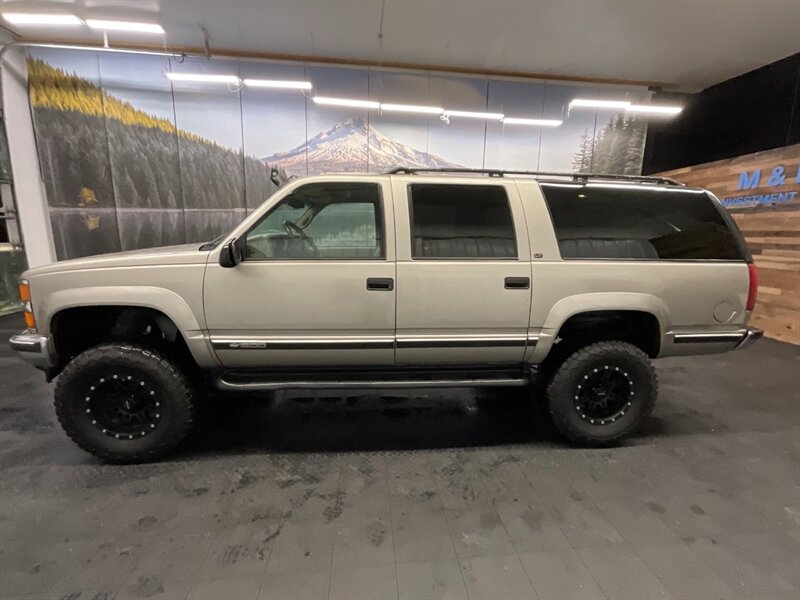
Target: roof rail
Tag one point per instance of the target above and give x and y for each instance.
(539, 174)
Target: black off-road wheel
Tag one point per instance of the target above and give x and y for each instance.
(124, 403)
(601, 393)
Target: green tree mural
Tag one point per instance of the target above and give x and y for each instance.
(129, 159)
(617, 147)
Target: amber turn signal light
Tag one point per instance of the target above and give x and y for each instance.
(24, 291)
(25, 297)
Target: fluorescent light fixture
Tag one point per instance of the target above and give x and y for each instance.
(590, 103)
(346, 102)
(473, 115)
(539, 122)
(125, 26)
(41, 19)
(202, 77)
(654, 109)
(274, 83)
(411, 108)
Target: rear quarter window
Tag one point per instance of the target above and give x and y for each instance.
(629, 222)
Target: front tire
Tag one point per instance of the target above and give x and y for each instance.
(601, 393)
(124, 403)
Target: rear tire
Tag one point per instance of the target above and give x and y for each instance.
(601, 393)
(124, 403)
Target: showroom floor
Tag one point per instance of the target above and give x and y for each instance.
(418, 496)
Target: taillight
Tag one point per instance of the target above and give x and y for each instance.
(752, 290)
(27, 306)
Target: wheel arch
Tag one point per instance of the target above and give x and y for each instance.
(645, 310)
(111, 310)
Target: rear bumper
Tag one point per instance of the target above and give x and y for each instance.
(34, 348)
(751, 336)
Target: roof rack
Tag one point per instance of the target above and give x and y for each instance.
(539, 174)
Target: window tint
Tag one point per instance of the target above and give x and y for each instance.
(328, 220)
(639, 223)
(461, 221)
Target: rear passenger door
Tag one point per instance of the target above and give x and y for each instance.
(463, 272)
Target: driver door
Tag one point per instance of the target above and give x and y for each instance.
(315, 286)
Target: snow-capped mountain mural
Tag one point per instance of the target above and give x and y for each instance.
(353, 145)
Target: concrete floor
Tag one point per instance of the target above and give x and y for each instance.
(420, 496)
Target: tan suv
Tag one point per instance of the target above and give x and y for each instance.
(409, 279)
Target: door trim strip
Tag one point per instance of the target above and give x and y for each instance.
(304, 344)
(489, 341)
(385, 343)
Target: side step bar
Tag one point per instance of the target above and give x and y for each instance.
(244, 381)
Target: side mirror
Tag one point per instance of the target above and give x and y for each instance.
(231, 254)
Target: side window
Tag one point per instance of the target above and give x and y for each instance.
(461, 221)
(630, 222)
(335, 220)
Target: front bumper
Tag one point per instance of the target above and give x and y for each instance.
(751, 336)
(34, 348)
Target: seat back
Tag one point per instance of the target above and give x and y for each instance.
(607, 248)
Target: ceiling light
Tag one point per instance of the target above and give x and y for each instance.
(589, 103)
(202, 77)
(427, 110)
(473, 115)
(539, 122)
(41, 19)
(654, 109)
(273, 83)
(125, 26)
(346, 102)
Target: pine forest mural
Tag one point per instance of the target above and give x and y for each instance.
(133, 160)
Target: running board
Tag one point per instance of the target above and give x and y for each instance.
(246, 381)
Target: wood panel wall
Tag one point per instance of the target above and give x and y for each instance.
(772, 232)
(774, 239)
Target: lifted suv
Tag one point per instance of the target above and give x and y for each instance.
(408, 279)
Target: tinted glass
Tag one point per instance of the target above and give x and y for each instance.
(330, 220)
(461, 221)
(639, 223)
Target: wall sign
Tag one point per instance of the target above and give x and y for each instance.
(764, 179)
(771, 192)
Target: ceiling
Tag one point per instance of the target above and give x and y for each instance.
(682, 44)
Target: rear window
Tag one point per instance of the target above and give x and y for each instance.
(639, 223)
(461, 222)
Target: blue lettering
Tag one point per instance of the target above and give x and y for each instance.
(777, 177)
(776, 198)
(747, 181)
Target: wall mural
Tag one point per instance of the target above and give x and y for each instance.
(131, 159)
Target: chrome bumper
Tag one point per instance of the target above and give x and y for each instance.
(752, 335)
(34, 348)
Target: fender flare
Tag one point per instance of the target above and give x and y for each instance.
(570, 306)
(167, 302)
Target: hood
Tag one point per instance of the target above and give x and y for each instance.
(166, 255)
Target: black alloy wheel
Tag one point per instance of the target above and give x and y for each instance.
(601, 393)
